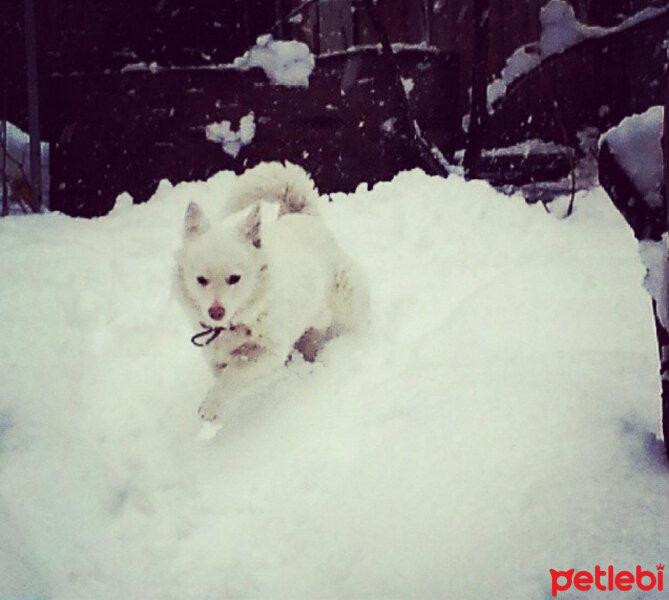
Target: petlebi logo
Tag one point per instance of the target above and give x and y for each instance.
(608, 579)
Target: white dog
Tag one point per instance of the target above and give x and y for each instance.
(264, 280)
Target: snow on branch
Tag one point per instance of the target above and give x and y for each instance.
(560, 30)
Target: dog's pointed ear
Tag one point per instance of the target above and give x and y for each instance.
(251, 225)
(195, 223)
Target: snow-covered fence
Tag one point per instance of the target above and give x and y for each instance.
(127, 131)
(595, 82)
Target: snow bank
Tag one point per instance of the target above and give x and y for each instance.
(232, 141)
(498, 420)
(560, 30)
(287, 63)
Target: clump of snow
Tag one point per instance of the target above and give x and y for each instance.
(497, 421)
(388, 126)
(232, 141)
(407, 84)
(636, 142)
(523, 60)
(142, 66)
(560, 30)
(288, 63)
(465, 122)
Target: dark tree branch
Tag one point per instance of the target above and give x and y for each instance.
(427, 151)
(570, 156)
(548, 90)
(33, 103)
(479, 102)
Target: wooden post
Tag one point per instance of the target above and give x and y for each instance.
(479, 100)
(5, 191)
(33, 106)
(662, 338)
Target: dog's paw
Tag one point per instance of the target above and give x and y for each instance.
(208, 410)
(208, 430)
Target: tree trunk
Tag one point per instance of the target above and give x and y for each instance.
(479, 101)
(424, 149)
(662, 338)
(33, 107)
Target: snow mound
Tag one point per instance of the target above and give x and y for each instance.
(560, 29)
(497, 421)
(288, 63)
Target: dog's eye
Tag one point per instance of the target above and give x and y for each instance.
(233, 279)
(202, 280)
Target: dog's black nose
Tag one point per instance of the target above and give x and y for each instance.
(216, 311)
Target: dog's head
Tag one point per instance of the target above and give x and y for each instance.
(222, 267)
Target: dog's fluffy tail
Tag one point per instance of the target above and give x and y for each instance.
(287, 184)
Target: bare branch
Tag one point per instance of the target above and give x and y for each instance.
(479, 102)
(570, 157)
(296, 11)
(426, 150)
(565, 139)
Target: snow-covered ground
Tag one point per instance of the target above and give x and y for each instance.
(498, 420)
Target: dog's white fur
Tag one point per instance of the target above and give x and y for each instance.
(295, 284)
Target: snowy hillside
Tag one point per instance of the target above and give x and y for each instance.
(499, 419)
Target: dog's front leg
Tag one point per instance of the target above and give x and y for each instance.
(238, 380)
(208, 410)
